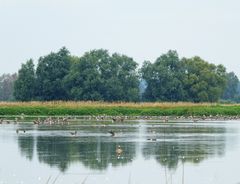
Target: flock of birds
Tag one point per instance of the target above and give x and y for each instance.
(65, 121)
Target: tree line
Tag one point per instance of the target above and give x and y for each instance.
(100, 76)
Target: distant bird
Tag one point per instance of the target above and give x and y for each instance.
(18, 131)
(73, 133)
(152, 139)
(16, 121)
(119, 150)
(165, 119)
(195, 120)
(112, 133)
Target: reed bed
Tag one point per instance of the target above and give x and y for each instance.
(74, 104)
(117, 108)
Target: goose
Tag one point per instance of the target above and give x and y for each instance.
(152, 139)
(73, 133)
(119, 150)
(18, 131)
(112, 133)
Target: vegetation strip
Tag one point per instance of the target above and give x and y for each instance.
(117, 109)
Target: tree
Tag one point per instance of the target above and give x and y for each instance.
(50, 73)
(7, 86)
(120, 78)
(163, 78)
(24, 86)
(204, 82)
(84, 80)
(231, 90)
(99, 76)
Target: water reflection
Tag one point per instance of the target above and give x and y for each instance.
(168, 144)
(188, 143)
(26, 145)
(95, 154)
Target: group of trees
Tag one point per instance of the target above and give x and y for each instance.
(188, 79)
(99, 76)
(94, 76)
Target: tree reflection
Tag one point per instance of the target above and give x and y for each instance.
(95, 154)
(185, 144)
(26, 145)
(172, 145)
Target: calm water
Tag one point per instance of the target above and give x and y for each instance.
(200, 153)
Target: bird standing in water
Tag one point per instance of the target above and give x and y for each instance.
(119, 150)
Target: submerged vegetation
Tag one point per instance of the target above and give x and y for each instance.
(59, 108)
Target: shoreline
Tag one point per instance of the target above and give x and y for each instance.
(120, 119)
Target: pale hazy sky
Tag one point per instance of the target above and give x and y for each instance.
(142, 29)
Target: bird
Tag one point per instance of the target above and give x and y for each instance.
(73, 133)
(195, 120)
(152, 139)
(112, 133)
(18, 131)
(119, 150)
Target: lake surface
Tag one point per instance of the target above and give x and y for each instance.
(168, 153)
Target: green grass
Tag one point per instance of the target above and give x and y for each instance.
(115, 109)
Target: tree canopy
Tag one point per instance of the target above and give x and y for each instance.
(50, 73)
(188, 79)
(24, 86)
(100, 76)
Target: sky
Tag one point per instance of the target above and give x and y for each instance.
(141, 29)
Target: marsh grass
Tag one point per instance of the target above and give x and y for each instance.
(59, 108)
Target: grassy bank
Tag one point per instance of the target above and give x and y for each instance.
(114, 109)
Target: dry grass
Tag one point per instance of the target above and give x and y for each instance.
(73, 104)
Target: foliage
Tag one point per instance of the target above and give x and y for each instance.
(164, 78)
(24, 86)
(98, 76)
(203, 82)
(117, 109)
(231, 90)
(172, 79)
(50, 72)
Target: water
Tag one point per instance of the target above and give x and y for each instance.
(168, 153)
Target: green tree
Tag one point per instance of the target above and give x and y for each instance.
(163, 78)
(84, 80)
(99, 76)
(50, 73)
(231, 90)
(24, 86)
(120, 78)
(204, 82)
